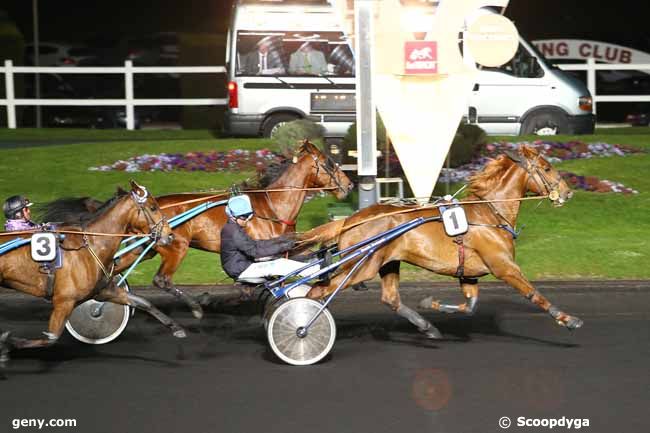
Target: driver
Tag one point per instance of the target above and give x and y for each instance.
(17, 214)
(239, 251)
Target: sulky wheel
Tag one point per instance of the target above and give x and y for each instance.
(96, 322)
(272, 304)
(284, 332)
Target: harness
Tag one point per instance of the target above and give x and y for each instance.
(328, 167)
(155, 232)
(541, 182)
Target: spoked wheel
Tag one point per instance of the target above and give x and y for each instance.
(300, 291)
(96, 322)
(291, 342)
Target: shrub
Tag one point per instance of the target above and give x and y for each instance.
(350, 139)
(291, 133)
(467, 142)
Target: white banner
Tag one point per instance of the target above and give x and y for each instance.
(579, 49)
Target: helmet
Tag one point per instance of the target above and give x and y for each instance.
(15, 204)
(239, 206)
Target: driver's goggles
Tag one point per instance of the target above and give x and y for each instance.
(245, 217)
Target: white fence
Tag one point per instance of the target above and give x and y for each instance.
(129, 102)
(591, 67)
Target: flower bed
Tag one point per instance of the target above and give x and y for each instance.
(554, 152)
(233, 160)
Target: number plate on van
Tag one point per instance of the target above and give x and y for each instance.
(329, 102)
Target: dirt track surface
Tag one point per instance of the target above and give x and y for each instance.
(382, 375)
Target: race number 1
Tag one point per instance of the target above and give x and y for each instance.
(455, 221)
(43, 247)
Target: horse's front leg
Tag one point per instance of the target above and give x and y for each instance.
(390, 296)
(119, 295)
(505, 269)
(469, 287)
(171, 258)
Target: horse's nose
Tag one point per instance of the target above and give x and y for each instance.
(569, 195)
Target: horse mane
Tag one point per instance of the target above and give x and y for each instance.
(486, 179)
(275, 170)
(76, 210)
(270, 175)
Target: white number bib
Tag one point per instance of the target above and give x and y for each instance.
(43, 247)
(455, 221)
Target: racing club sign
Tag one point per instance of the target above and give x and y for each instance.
(420, 57)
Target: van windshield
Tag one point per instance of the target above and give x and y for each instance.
(293, 54)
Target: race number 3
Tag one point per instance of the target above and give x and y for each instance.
(455, 221)
(43, 247)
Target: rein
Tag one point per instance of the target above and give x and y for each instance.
(431, 206)
(246, 191)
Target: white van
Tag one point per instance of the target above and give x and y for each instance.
(290, 60)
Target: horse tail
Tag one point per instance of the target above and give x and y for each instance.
(323, 233)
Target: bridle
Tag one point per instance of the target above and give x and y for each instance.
(330, 167)
(541, 181)
(552, 189)
(155, 227)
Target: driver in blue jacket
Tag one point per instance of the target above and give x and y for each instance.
(239, 252)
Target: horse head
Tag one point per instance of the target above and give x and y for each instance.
(149, 218)
(543, 178)
(326, 172)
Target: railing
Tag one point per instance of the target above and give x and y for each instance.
(129, 102)
(591, 67)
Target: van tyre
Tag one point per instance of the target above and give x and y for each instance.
(275, 121)
(545, 122)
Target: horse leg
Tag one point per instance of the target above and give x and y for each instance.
(118, 295)
(60, 313)
(511, 274)
(171, 258)
(469, 286)
(390, 296)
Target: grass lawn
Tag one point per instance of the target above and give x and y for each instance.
(593, 236)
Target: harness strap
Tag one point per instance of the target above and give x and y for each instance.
(460, 270)
(50, 272)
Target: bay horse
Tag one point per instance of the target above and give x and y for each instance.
(487, 247)
(86, 262)
(276, 207)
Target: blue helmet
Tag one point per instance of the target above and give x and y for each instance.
(239, 206)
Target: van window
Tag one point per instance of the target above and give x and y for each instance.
(522, 65)
(289, 53)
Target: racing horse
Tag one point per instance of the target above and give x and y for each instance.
(492, 207)
(276, 207)
(85, 271)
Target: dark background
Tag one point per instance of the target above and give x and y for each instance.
(623, 21)
(203, 24)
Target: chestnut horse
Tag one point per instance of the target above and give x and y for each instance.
(487, 248)
(276, 210)
(85, 271)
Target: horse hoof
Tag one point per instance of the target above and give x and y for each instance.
(572, 323)
(180, 333)
(426, 303)
(4, 349)
(432, 333)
